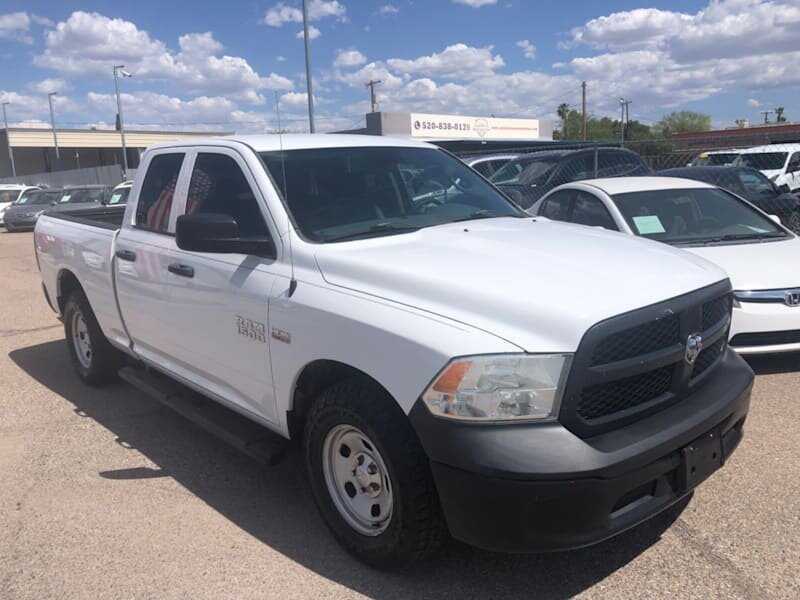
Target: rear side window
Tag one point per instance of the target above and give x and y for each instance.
(158, 190)
(557, 205)
(218, 186)
(591, 211)
(484, 168)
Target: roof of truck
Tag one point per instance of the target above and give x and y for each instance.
(300, 141)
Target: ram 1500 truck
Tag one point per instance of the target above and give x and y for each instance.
(448, 364)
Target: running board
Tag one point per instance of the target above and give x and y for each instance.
(258, 442)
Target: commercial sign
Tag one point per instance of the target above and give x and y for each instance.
(472, 128)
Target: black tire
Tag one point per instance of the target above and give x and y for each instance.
(416, 527)
(794, 221)
(103, 361)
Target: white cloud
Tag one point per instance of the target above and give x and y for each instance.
(475, 3)
(15, 26)
(51, 84)
(87, 44)
(294, 100)
(39, 20)
(458, 61)
(31, 107)
(313, 33)
(280, 58)
(527, 48)
(280, 14)
(349, 58)
(753, 103)
(388, 9)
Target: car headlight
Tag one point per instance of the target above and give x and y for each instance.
(499, 387)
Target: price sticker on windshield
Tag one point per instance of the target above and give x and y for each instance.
(648, 225)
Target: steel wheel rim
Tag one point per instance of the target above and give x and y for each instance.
(80, 340)
(357, 480)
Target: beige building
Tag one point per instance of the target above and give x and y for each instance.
(34, 149)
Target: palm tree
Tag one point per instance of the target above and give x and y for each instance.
(779, 118)
(563, 112)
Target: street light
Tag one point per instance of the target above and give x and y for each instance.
(309, 86)
(118, 70)
(53, 123)
(8, 141)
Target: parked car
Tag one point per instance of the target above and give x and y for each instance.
(488, 164)
(779, 162)
(759, 254)
(10, 193)
(23, 214)
(119, 195)
(530, 176)
(715, 158)
(750, 184)
(446, 363)
(86, 196)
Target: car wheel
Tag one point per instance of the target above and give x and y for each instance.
(95, 360)
(794, 222)
(370, 477)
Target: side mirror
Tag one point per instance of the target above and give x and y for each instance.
(775, 218)
(218, 233)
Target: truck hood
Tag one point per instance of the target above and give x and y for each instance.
(537, 284)
(761, 266)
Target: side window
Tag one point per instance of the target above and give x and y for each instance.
(158, 189)
(218, 186)
(484, 168)
(557, 205)
(794, 162)
(589, 210)
(575, 169)
(614, 164)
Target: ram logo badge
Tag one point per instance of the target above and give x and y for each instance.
(694, 345)
(252, 329)
(281, 335)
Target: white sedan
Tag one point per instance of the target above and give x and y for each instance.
(760, 256)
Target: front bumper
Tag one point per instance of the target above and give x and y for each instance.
(765, 328)
(20, 222)
(539, 487)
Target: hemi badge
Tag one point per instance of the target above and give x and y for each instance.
(281, 336)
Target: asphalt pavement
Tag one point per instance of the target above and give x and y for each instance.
(106, 494)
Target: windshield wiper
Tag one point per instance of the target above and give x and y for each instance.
(733, 237)
(483, 214)
(371, 231)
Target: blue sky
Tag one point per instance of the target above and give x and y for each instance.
(218, 66)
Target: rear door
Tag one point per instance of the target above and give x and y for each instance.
(142, 254)
(217, 318)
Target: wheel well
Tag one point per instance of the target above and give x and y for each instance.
(314, 379)
(67, 283)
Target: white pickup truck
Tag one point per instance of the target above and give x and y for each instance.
(448, 364)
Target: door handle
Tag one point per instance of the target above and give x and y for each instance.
(128, 255)
(181, 270)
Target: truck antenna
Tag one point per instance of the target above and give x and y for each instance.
(292, 280)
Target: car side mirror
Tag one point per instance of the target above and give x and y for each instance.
(775, 218)
(219, 234)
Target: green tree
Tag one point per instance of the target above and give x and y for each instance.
(563, 112)
(682, 121)
(779, 118)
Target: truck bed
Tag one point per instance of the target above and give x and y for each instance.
(107, 217)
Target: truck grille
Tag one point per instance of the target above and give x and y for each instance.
(635, 364)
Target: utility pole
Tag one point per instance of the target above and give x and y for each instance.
(766, 114)
(8, 141)
(118, 70)
(583, 110)
(371, 85)
(308, 69)
(53, 123)
(623, 110)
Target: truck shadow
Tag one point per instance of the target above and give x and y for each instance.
(275, 506)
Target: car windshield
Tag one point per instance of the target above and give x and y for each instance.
(7, 196)
(336, 194)
(763, 161)
(78, 196)
(119, 196)
(529, 171)
(719, 160)
(38, 198)
(756, 183)
(694, 216)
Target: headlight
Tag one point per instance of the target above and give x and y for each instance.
(500, 387)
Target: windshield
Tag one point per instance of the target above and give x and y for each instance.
(78, 196)
(335, 194)
(120, 196)
(37, 198)
(525, 171)
(763, 161)
(693, 216)
(756, 183)
(7, 196)
(715, 160)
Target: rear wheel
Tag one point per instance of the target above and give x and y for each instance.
(370, 476)
(95, 360)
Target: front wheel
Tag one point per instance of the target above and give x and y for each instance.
(95, 360)
(370, 477)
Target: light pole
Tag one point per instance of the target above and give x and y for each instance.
(53, 123)
(118, 69)
(308, 69)
(8, 141)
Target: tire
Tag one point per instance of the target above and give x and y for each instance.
(409, 526)
(794, 221)
(95, 360)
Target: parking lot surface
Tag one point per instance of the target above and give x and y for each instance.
(106, 494)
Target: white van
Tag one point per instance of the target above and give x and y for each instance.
(779, 162)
